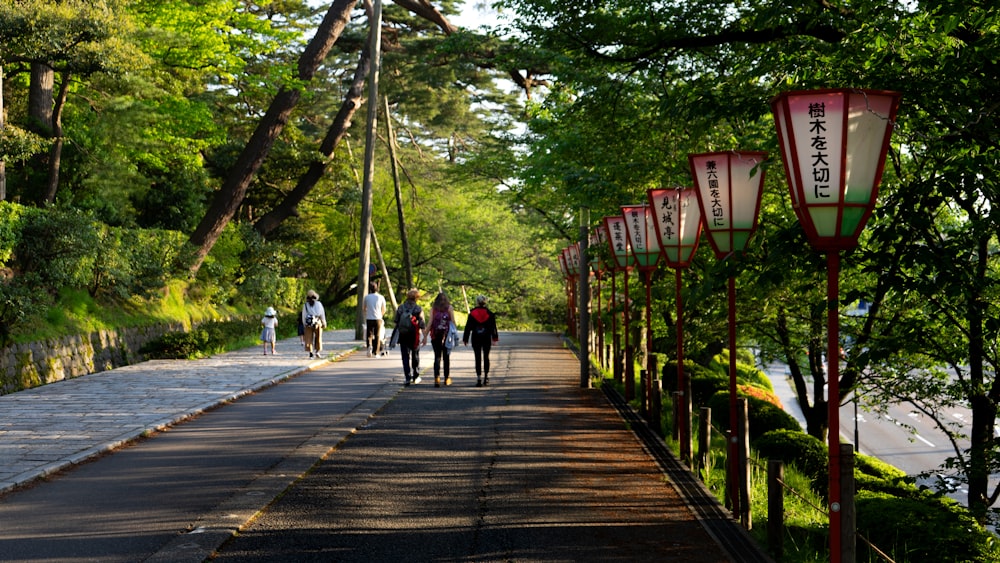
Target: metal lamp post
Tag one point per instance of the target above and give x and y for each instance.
(729, 187)
(624, 260)
(645, 247)
(834, 143)
(678, 228)
(564, 268)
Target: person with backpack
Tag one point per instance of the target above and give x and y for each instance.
(314, 319)
(442, 317)
(409, 321)
(482, 327)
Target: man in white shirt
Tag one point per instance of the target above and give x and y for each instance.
(374, 309)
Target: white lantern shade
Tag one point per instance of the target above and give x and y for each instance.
(642, 238)
(678, 224)
(834, 143)
(728, 186)
(618, 242)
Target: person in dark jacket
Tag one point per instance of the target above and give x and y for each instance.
(482, 327)
(408, 336)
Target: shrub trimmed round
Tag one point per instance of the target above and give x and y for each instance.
(807, 453)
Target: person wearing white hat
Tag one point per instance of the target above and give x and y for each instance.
(268, 334)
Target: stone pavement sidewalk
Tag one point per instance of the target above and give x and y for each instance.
(49, 428)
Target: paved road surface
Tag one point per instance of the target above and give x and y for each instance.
(342, 463)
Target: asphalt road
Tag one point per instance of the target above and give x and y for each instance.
(344, 464)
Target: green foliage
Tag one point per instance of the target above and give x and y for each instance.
(11, 215)
(206, 339)
(923, 529)
(762, 415)
(705, 383)
(57, 247)
(796, 448)
(20, 300)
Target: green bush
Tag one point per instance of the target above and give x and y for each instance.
(57, 245)
(704, 383)
(762, 416)
(177, 345)
(208, 338)
(11, 219)
(805, 452)
(924, 529)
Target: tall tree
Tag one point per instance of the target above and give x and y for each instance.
(230, 195)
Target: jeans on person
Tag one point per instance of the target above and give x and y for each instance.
(411, 357)
(440, 351)
(371, 339)
(481, 350)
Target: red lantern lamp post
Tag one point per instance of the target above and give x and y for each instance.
(729, 188)
(834, 143)
(623, 261)
(678, 228)
(645, 247)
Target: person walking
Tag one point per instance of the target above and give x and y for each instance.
(314, 319)
(268, 335)
(442, 317)
(409, 321)
(482, 327)
(374, 309)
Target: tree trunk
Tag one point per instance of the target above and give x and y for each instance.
(984, 409)
(230, 196)
(334, 134)
(40, 100)
(404, 240)
(55, 153)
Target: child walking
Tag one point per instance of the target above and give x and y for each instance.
(268, 335)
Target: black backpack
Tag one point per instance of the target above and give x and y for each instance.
(409, 323)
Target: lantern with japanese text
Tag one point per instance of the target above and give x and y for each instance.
(645, 246)
(729, 188)
(677, 219)
(624, 260)
(834, 144)
(678, 228)
(641, 229)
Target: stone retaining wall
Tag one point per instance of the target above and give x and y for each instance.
(23, 366)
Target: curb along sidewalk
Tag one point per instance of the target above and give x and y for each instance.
(49, 428)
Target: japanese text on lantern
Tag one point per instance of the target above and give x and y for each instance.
(637, 229)
(718, 213)
(667, 218)
(618, 237)
(820, 163)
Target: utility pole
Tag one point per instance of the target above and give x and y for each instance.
(364, 256)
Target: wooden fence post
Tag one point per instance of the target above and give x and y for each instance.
(704, 439)
(775, 507)
(641, 392)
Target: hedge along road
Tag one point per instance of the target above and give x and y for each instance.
(531, 468)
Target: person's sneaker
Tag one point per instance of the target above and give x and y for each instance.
(369, 353)
(407, 382)
(417, 380)
(479, 383)
(486, 381)
(447, 381)
(437, 382)
(310, 354)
